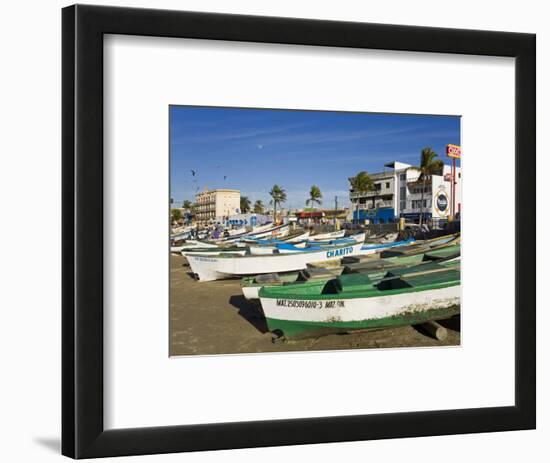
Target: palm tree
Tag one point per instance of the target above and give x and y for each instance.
(187, 204)
(279, 196)
(315, 195)
(176, 215)
(245, 204)
(259, 207)
(361, 183)
(429, 166)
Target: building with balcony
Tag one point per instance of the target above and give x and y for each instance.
(215, 206)
(400, 192)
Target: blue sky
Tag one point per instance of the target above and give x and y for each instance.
(253, 149)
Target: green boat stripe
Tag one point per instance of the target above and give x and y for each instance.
(282, 292)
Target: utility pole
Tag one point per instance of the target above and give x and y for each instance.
(454, 152)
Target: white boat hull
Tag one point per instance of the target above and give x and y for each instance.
(237, 231)
(214, 253)
(359, 237)
(261, 250)
(251, 292)
(276, 233)
(272, 232)
(328, 236)
(359, 309)
(299, 238)
(190, 244)
(264, 227)
(217, 268)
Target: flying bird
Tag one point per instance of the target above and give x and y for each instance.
(225, 177)
(193, 172)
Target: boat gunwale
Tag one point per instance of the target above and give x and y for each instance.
(285, 254)
(359, 294)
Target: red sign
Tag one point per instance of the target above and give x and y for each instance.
(454, 151)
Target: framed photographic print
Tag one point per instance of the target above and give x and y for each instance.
(283, 231)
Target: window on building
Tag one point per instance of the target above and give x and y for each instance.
(377, 186)
(387, 184)
(402, 176)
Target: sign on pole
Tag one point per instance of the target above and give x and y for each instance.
(454, 151)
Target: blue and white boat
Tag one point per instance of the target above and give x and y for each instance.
(227, 266)
(357, 238)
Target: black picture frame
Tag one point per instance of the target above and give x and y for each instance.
(83, 433)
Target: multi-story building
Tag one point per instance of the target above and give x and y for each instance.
(213, 206)
(399, 191)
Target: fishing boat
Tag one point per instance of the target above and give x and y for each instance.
(437, 255)
(294, 237)
(354, 301)
(382, 238)
(376, 268)
(300, 237)
(218, 251)
(421, 246)
(280, 248)
(271, 232)
(182, 235)
(190, 244)
(261, 228)
(251, 285)
(225, 266)
(235, 231)
(177, 230)
(367, 249)
(328, 236)
(357, 238)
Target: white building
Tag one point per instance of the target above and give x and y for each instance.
(399, 193)
(213, 206)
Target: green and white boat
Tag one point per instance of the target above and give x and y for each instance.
(251, 285)
(359, 301)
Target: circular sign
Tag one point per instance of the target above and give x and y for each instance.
(441, 203)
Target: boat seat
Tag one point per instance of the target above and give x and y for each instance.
(268, 278)
(379, 264)
(418, 275)
(441, 256)
(316, 273)
(347, 283)
(400, 271)
(404, 250)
